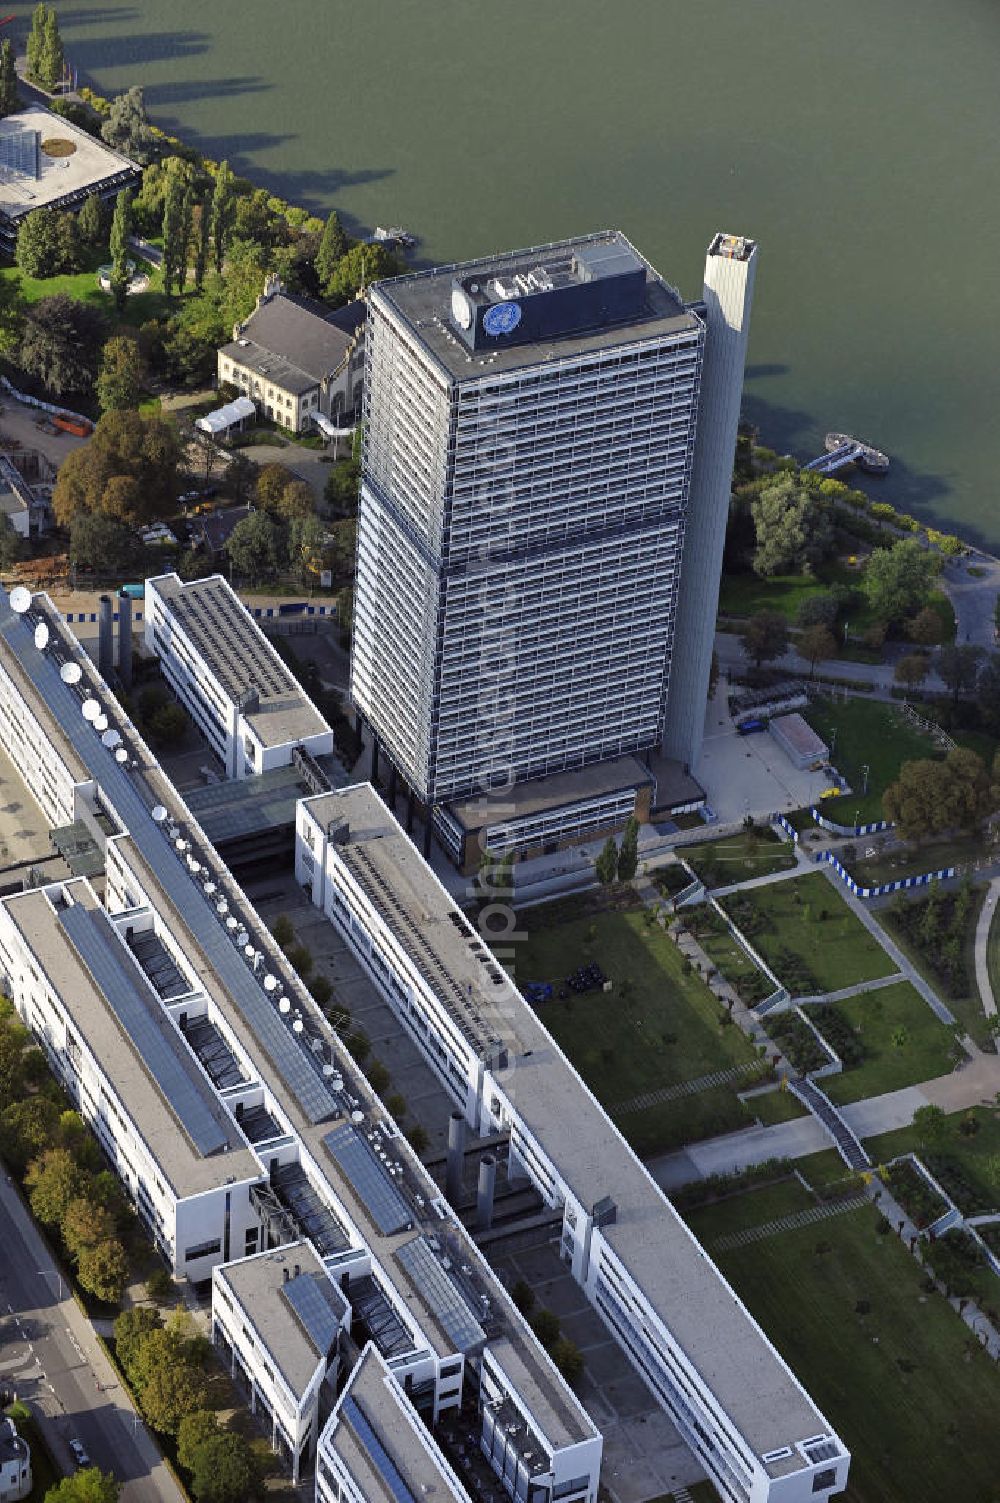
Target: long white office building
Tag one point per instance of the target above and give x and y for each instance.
(531, 425)
(732, 1397)
(242, 697)
(253, 1147)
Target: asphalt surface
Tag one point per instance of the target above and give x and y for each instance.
(50, 1358)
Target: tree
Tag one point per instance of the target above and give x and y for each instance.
(223, 213)
(958, 666)
(203, 243)
(378, 1076)
(546, 1327)
(899, 580)
(568, 1357)
(186, 234)
(11, 542)
(272, 482)
(606, 865)
(523, 1296)
(127, 129)
(357, 269)
(174, 267)
(925, 628)
(103, 1269)
(90, 1485)
(283, 931)
(816, 644)
(912, 670)
(61, 344)
(296, 501)
(256, 548)
(170, 1390)
(818, 610)
(765, 637)
(27, 1128)
(132, 1327)
(988, 692)
(332, 247)
(8, 78)
(170, 725)
(931, 1126)
(418, 1137)
(240, 476)
(930, 797)
(793, 528)
(306, 548)
(193, 1430)
(142, 451)
(628, 854)
(36, 41)
(225, 1470)
(51, 59)
(119, 379)
(92, 220)
(121, 228)
(53, 1180)
(48, 243)
(85, 1222)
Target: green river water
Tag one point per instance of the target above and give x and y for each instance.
(856, 140)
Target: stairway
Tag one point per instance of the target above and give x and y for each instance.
(848, 1146)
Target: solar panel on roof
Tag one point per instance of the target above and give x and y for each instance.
(369, 1180)
(19, 152)
(90, 932)
(382, 1461)
(445, 1298)
(315, 1308)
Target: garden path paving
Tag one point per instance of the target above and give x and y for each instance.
(803, 865)
(855, 990)
(982, 945)
(688, 1087)
(790, 1223)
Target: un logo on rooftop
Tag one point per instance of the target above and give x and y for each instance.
(502, 318)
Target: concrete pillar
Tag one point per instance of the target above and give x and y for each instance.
(428, 830)
(374, 778)
(456, 1157)
(125, 640)
(392, 787)
(410, 805)
(105, 638)
(484, 1191)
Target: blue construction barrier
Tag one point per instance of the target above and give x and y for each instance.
(902, 884)
(787, 826)
(876, 828)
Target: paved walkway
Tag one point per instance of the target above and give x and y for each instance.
(974, 1084)
(855, 990)
(983, 981)
(689, 1087)
(905, 966)
(792, 1223)
(974, 597)
(802, 865)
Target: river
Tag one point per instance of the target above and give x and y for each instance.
(856, 141)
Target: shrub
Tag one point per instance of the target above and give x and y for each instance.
(378, 1076)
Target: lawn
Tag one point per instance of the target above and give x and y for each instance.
(976, 1156)
(753, 1207)
(913, 861)
(745, 594)
(769, 1107)
(732, 962)
(894, 1369)
(902, 1039)
(659, 1026)
(961, 997)
(751, 853)
(865, 733)
(804, 925)
(82, 286)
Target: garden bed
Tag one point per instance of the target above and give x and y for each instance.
(752, 853)
(921, 1203)
(731, 960)
(797, 1042)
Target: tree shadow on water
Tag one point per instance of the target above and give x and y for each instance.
(181, 91)
(134, 49)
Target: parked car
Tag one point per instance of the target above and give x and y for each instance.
(79, 1453)
(749, 727)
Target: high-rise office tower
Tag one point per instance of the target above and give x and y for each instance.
(530, 432)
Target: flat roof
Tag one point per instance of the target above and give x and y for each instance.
(260, 1285)
(236, 651)
(32, 179)
(160, 1120)
(765, 1400)
(422, 300)
(557, 791)
(383, 1443)
(799, 735)
(297, 1080)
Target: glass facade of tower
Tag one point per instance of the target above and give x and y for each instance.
(520, 533)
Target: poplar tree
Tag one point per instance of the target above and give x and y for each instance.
(332, 247)
(223, 212)
(173, 234)
(51, 62)
(36, 40)
(203, 243)
(187, 234)
(121, 225)
(8, 78)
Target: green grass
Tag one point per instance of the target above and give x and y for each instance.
(837, 949)
(978, 1155)
(823, 1168)
(913, 861)
(877, 1017)
(665, 1028)
(752, 853)
(968, 1006)
(864, 733)
(918, 1434)
(745, 594)
(727, 956)
(82, 286)
(754, 1207)
(770, 1107)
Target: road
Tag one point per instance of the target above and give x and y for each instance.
(974, 597)
(50, 1357)
(880, 675)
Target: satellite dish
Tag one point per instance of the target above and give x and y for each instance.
(209, 888)
(284, 1005)
(20, 599)
(242, 937)
(298, 1025)
(110, 739)
(158, 814)
(270, 982)
(90, 709)
(328, 1070)
(357, 1118)
(101, 723)
(222, 906)
(121, 755)
(248, 951)
(316, 1045)
(41, 636)
(181, 843)
(337, 1082)
(232, 923)
(71, 673)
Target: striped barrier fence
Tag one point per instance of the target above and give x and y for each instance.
(786, 826)
(84, 616)
(901, 884)
(875, 828)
